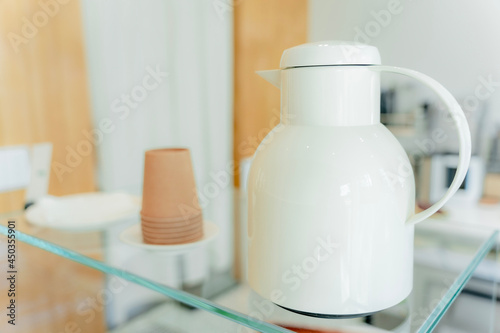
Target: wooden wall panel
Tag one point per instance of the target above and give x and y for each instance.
(43, 88)
(262, 30)
(44, 98)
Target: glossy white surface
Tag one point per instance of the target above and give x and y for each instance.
(330, 52)
(332, 194)
(346, 96)
(463, 133)
(327, 212)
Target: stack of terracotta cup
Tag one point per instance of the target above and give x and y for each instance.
(170, 210)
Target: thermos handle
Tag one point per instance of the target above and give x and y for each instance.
(463, 136)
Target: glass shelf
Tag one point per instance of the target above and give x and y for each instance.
(448, 257)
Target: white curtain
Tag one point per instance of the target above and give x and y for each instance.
(160, 75)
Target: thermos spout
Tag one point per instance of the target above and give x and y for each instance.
(272, 76)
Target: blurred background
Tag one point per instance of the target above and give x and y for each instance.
(87, 86)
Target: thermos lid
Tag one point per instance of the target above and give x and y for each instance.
(328, 53)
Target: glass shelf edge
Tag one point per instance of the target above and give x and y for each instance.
(197, 302)
(178, 295)
(457, 286)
